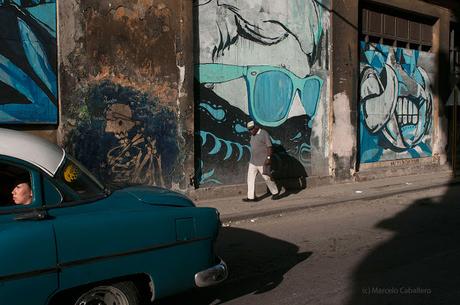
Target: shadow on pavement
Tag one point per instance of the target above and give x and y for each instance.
(420, 264)
(257, 263)
(287, 172)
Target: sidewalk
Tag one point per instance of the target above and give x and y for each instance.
(233, 209)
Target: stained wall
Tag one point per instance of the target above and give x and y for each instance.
(145, 94)
(124, 89)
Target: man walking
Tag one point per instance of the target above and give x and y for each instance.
(261, 152)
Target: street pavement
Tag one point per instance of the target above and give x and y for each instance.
(392, 241)
(234, 209)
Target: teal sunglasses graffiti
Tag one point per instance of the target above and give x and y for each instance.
(271, 90)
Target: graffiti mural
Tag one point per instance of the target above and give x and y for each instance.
(126, 138)
(396, 103)
(258, 60)
(28, 62)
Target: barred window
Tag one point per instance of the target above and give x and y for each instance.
(396, 28)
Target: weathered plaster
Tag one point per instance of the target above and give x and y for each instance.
(130, 54)
(343, 133)
(70, 29)
(344, 86)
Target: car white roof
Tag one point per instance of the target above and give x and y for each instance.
(32, 149)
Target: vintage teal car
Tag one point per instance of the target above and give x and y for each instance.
(76, 242)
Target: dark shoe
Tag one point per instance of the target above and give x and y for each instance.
(250, 200)
(276, 196)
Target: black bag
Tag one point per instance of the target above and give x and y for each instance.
(267, 170)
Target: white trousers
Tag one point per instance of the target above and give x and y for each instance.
(252, 173)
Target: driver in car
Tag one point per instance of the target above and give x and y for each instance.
(22, 192)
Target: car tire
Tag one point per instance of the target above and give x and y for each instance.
(122, 293)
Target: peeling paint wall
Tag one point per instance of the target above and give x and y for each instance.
(127, 80)
(123, 90)
(265, 61)
(343, 117)
(343, 140)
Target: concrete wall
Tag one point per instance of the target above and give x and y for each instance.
(344, 88)
(125, 78)
(266, 61)
(380, 136)
(127, 72)
(436, 66)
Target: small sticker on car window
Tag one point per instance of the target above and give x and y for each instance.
(70, 173)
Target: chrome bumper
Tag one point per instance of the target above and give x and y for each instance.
(212, 276)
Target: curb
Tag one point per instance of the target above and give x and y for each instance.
(234, 217)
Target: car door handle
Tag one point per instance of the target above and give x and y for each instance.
(33, 215)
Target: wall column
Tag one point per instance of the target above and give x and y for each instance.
(344, 88)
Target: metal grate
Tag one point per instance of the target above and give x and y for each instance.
(454, 48)
(398, 29)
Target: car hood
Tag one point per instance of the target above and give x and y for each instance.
(158, 196)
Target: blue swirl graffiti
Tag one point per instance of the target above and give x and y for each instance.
(228, 144)
(240, 128)
(217, 113)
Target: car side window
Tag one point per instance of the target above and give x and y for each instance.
(51, 195)
(76, 183)
(16, 186)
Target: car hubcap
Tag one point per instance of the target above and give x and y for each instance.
(104, 295)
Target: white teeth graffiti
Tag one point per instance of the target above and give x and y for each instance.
(406, 111)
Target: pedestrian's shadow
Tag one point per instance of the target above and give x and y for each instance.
(257, 263)
(420, 263)
(287, 172)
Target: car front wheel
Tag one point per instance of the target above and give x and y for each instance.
(123, 293)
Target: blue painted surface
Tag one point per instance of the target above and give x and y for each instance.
(46, 15)
(28, 62)
(271, 91)
(272, 95)
(134, 219)
(216, 112)
(137, 137)
(401, 127)
(218, 142)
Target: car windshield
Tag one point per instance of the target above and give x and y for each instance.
(77, 181)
